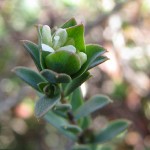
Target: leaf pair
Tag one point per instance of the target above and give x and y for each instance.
(53, 77)
(34, 79)
(39, 82)
(113, 129)
(62, 125)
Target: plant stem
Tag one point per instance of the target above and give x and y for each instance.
(71, 118)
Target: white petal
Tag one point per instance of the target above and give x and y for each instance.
(47, 48)
(69, 48)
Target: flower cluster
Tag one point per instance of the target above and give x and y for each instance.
(61, 51)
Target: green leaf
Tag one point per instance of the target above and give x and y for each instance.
(58, 122)
(85, 122)
(77, 33)
(63, 107)
(63, 62)
(111, 131)
(54, 77)
(76, 83)
(44, 104)
(51, 89)
(81, 147)
(61, 113)
(41, 86)
(96, 102)
(107, 147)
(97, 61)
(72, 128)
(43, 55)
(93, 51)
(34, 52)
(69, 23)
(76, 99)
(39, 31)
(29, 76)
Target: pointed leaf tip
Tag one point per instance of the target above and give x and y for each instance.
(34, 52)
(93, 52)
(44, 104)
(71, 22)
(112, 130)
(76, 83)
(95, 103)
(72, 128)
(29, 76)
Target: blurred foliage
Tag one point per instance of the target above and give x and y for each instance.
(123, 29)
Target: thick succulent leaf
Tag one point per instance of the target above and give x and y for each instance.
(63, 62)
(72, 128)
(96, 102)
(69, 23)
(76, 99)
(54, 77)
(29, 76)
(93, 52)
(44, 104)
(77, 34)
(97, 61)
(112, 130)
(34, 52)
(76, 83)
(58, 122)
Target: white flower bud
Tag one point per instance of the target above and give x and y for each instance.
(83, 57)
(62, 34)
(68, 48)
(47, 48)
(46, 35)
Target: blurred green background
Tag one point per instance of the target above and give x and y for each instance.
(123, 27)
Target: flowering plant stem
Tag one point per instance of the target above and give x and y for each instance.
(63, 61)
